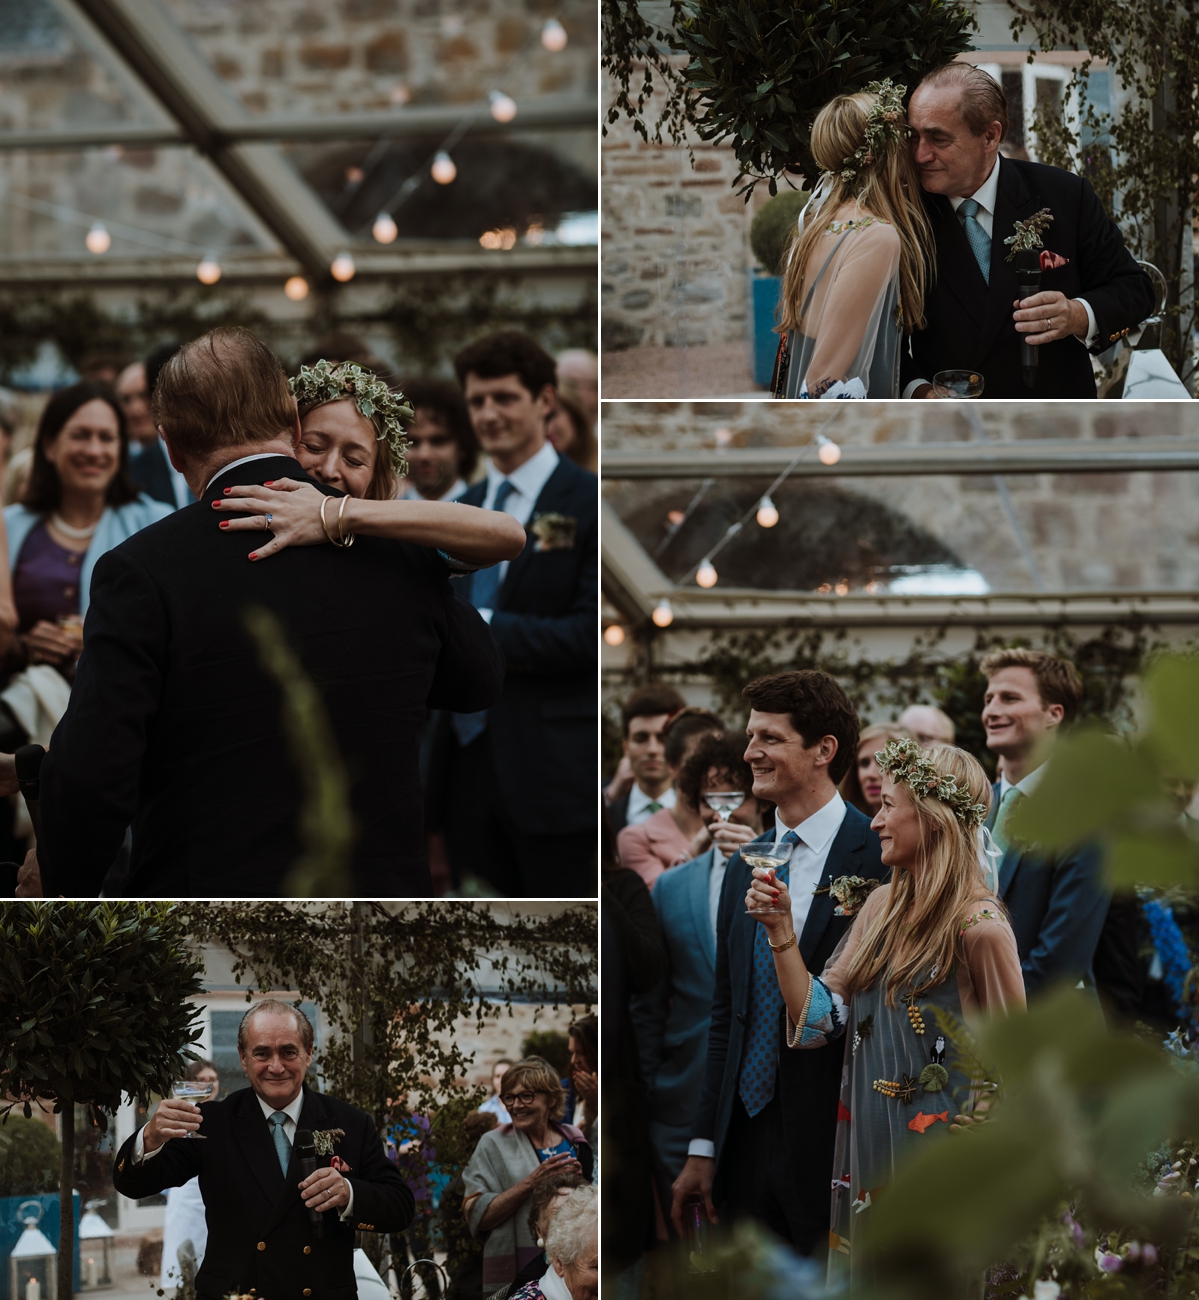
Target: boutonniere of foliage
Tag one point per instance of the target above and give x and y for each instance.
(323, 1139)
(1028, 233)
(554, 532)
(849, 893)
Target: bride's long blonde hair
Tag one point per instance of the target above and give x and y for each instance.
(919, 929)
(887, 188)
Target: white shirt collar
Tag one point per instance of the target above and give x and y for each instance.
(242, 460)
(986, 194)
(638, 799)
(819, 828)
(292, 1111)
(1027, 786)
(528, 479)
(452, 493)
(554, 1287)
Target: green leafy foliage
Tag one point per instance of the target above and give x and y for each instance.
(761, 70)
(771, 229)
(551, 1046)
(633, 45)
(30, 1156)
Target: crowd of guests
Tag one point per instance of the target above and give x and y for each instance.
(729, 1075)
(514, 433)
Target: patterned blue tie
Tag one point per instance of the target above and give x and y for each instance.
(484, 588)
(976, 236)
(759, 1059)
(282, 1145)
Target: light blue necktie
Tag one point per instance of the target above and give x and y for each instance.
(282, 1145)
(976, 236)
(759, 1058)
(1011, 796)
(484, 588)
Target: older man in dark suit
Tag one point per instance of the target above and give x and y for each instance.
(256, 1198)
(762, 1141)
(524, 773)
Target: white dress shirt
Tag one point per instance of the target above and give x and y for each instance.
(986, 197)
(528, 480)
(639, 804)
(716, 873)
(452, 493)
(808, 859)
(292, 1111)
(1027, 786)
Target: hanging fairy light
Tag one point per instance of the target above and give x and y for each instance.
(209, 270)
(614, 634)
(343, 268)
(443, 169)
(98, 240)
(296, 288)
(768, 514)
(724, 438)
(663, 615)
(829, 453)
(553, 35)
(705, 575)
(385, 229)
(503, 107)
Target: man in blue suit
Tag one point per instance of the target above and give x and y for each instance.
(523, 775)
(763, 1137)
(1057, 902)
(671, 1020)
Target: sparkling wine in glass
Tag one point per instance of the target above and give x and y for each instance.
(958, 383)
(195, 1091)
(724, 802)
(767, 855)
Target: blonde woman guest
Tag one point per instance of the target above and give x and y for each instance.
(572, 1247)
(863, 784)
(512, 1160)
(933, 939)
(856, 271)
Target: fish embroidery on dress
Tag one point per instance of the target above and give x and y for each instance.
(923, 1121)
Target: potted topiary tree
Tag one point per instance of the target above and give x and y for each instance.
(94, 1006)
(769, 237)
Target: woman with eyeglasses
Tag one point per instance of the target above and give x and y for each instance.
(512, 1160)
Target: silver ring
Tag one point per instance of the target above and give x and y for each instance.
(268, 521)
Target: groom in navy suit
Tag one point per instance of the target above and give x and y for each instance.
(762, 1140)
(1057, 903)
(1092, 290)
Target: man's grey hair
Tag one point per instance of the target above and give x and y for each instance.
(273, 1005)
(575, 1227)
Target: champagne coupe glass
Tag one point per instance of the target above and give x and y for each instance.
(767, 855)
(195, 1091)
(958, 383)
(724, 802)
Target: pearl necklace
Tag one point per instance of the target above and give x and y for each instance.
(75, 534)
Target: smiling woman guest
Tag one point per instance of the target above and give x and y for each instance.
(932, 943)
(511, 1161)
(78, 503)
(863, 784)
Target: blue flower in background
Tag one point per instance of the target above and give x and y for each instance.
(1172, 951)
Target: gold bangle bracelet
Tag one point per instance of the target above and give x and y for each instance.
(341, 509)
(324, 525)
(782, 947)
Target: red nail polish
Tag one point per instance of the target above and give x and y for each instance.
(254, 556)
(216, 505)
(227, 491)
(224, 523)
(269, 482)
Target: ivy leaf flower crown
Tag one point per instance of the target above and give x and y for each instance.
(904, 760)
(884, 123)
(1028, 233)
(325, 382)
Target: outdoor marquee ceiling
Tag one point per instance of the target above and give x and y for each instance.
(188, 105)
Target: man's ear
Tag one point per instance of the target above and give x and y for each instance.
(546, 400)
(178, 460)
(1057, 713)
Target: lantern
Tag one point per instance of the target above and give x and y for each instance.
(95, 1240)
(33, 1264)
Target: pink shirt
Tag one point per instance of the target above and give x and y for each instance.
(653, 846)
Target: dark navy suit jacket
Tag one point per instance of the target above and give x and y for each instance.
(1057, 904)
(809, 1083)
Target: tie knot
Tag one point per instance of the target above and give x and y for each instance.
(278, 1119)
(790, 838)
(969, 207)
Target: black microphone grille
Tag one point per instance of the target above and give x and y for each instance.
(28, 762)
(305, 1146)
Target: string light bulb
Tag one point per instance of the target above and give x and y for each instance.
(768, 514)
(663, 615)
(343, 268)
(724, 438)
(829, 453)
(98, 240)
(553, 35)
(443, 169)
(503, 107)
(614, 634)
(296, 288)
(705, 575)
(209, 270)
(385, 229)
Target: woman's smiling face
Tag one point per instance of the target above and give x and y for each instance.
(338, 446)
(898, 824)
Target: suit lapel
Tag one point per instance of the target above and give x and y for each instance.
(700, 915)
(1013, 202)
(956, 265)
(255, 1144)
(1007, 869)
(846, 842)
(544, 503)
(744, 928)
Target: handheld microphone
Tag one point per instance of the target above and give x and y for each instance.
(28, 762)
(1028, 282)
(305, 1152)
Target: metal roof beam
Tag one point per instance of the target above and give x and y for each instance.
(1084, 456)
(162, 56)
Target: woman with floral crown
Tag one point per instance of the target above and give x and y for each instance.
(352, 437)
(855, 274)
(933, 943)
